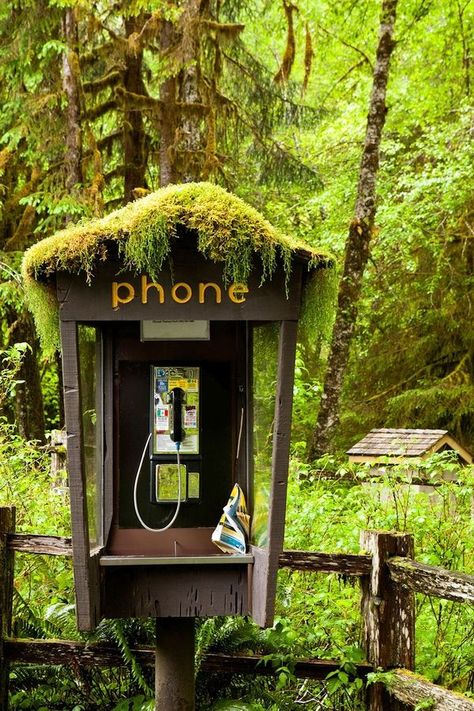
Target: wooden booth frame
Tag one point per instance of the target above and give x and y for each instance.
(83, 304)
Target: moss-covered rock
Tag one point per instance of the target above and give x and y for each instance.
(142, 233)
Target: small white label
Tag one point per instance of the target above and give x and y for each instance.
(161, 419)
(190, 416)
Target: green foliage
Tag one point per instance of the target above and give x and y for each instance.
(345, 680)
(280, 647)
(327, 514)
(10, 360)
(426, 704)
(412, 361)
(84, 688)
(321, 292)
(380, 677)
(43, 304)
(26, 483)
(236, 706)
(44, 688)
(129, 657)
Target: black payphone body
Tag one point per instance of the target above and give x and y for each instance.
(174, 433)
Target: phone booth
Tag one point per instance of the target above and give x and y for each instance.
(178, 381)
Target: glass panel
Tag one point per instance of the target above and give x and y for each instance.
(91, 398)
(264, 377)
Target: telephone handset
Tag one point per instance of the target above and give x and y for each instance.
(176, 400)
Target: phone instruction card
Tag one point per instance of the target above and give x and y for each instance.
(164, 380)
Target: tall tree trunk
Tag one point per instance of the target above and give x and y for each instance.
(168, 113)
(190, 140)
(358, 241)
(29, 412)
(181, 146)
(72, 89)
(133, 130)
(190, 144)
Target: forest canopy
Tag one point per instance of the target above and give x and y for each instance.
(101, 105)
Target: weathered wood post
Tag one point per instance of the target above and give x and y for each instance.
(174, 664)
(388, 612)
(7, 525)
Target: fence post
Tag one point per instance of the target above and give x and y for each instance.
(7, 525)
(388, 613)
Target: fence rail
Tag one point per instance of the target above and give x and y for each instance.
(413, 689)
(389, 578)
(341, 563)
(432, 580)
(36, 543)
(405, 686)
(33, 651)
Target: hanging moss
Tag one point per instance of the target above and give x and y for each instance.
(42, 302)
(228, 230)
(318, 309)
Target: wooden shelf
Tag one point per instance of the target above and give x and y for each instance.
(131, 560)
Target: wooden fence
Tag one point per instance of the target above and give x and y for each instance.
(389, 577)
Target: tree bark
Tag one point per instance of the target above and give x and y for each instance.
(358, 241)
(168, 113)
(72, 89)
(190, 144)
(29, 412)
(7, 567)
(133, 130)
(182, 154)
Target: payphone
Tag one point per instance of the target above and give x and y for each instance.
(175, 424)
(173, 440)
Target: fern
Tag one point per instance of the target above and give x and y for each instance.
(117, 627)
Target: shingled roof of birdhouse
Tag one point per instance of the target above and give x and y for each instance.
(397, 444)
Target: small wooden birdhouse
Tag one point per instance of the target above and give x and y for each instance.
(386, 448)
(394, 446)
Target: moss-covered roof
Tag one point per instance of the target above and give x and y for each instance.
(229, 230)
(142, 234)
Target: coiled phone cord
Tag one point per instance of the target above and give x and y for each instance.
(135, 489)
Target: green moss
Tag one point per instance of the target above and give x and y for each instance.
(42, 302)
(228, 230)
(318, 308)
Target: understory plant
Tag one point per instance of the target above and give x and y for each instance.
(330, 504)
